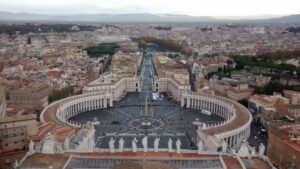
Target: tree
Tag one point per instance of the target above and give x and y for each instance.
(60, 94)
(244, 102)
(102, 49)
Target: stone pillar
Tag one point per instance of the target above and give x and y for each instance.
(261, 149)
(182, 101)
(188, 102)
(200, 146)
(111, 102)
(193, 106)
(105, 102)
(79, 107)
(235, 139)
(87, 105)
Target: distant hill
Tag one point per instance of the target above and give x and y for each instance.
(140, 17)
(286, 19)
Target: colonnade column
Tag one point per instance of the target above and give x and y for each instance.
(188, 102)
(105, 102)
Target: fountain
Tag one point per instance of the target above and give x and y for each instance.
(146, 123)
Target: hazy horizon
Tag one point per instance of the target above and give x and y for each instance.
(230, 9)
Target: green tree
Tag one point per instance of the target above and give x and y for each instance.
(102, 49)
(60, 94)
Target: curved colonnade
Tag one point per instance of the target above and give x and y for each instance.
(233, 130)
(61, 110)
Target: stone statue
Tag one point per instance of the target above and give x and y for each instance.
(91, 144)
(111, 144)
(49, 144)
(16, 164)
(253, 153)
(233, 151)
(244, 149)
(59, 148)
(178, 145)
(261, 149)
(134, 146)
(145, 143)
(200, 146)
(67, 144)
(31, 148)
(170, 145)
(224, 146)
(156, 144)
(121, 145)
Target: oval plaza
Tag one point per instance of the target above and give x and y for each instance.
(145, 103)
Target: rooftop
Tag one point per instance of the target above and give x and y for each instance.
(167, 67)
(242, 117)
(18, 118)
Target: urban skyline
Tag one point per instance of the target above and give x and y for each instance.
(232, 9)
(149, 84)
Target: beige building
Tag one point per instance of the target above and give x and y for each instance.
(239, 92)
(32, 95)
(121, 78)
(231, 88)
(293, 96)
(14, 131)
(258, 102)
(172, 76)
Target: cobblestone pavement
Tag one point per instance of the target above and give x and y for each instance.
(167, 118)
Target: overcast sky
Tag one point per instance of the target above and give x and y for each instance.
(189, 7)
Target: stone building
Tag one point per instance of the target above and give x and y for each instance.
(121, 78)
(284, 145)
(172, 76)
(32, 95)
(231, 88)
(293, 96)
(259, 101)
(15, 130)
(240, 91)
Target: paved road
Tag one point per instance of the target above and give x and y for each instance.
(257, 136)
(172, 120)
